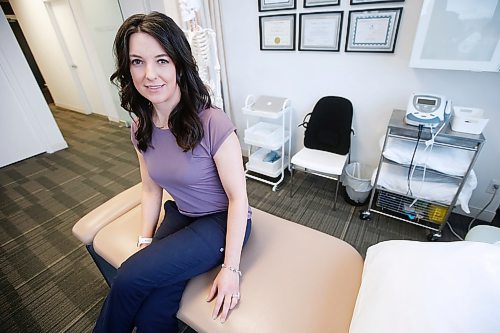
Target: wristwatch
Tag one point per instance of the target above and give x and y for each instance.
(144, 240)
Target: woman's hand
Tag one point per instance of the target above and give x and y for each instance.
(227, 288)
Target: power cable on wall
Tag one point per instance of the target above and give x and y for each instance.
(476, 217)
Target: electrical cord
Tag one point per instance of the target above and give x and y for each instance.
(453, 231)
(428, 143)
(485, 206)
(428, 152)
(475, 218)
(433, 135)
(420, 127)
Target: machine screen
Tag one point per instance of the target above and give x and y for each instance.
(426, 101)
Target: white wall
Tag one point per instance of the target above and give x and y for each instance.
(375, 83)
(35, 23)
(27, 125)
(168, 7)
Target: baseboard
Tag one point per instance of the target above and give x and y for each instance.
(70, 108)
(113, 119)
(56, 147)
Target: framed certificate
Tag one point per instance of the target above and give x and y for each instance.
(277, 32)
(320, 3)
(320, 31)
(373, 30)
(267, 5)
(362, 2)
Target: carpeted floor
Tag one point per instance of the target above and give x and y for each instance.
(49, 282)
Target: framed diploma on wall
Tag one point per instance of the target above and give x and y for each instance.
(373, 30)
(320, 31)
(277, 32)
(368, 2)
(267, 5)
(320, 3)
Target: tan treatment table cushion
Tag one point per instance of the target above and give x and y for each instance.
(295, 279)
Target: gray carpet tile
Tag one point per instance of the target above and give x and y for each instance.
(49, 282)
(364, 233)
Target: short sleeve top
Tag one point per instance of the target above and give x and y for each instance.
(190, 177)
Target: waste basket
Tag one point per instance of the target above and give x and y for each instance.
(357, 181)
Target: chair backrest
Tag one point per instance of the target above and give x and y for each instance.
(329, 125)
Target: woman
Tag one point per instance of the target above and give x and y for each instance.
(189, 148)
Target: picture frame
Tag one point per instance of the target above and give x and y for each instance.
(320, 3)
(269, 5)
(368, 2)
(277, 32)
(437, 46)
(373, 30)
(320, 31)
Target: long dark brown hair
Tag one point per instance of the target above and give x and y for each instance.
(184, 122)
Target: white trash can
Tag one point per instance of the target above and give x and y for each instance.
(357, 180)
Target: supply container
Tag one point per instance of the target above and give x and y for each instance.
(259, 162)
(265, 134)
(468, 120)
(357, 181)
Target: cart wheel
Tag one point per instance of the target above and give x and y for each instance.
(434, 236)
(365, 215)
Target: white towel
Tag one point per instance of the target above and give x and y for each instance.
(434, 187)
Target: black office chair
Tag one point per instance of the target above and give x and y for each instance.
(327, 140)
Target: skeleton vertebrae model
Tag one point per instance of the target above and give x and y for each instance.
(204, 47)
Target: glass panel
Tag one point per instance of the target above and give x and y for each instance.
(463, 30)
(103, 18)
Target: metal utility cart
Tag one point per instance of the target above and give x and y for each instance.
(406, 207)
(268, 137)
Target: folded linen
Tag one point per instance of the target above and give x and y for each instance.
(451, 161)
(431, 186)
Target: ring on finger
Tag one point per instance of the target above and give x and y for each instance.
(237, 296)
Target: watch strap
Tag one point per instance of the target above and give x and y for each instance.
(144, 240)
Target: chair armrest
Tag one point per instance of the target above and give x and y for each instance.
(89, 225)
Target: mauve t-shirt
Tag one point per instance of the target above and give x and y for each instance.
(190, 177)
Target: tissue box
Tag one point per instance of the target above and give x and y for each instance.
(468, 120)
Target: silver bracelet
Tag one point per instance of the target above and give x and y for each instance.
(232, 269)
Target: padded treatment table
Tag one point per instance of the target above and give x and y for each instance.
(295, 279)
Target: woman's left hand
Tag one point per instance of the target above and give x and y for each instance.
(227, 288)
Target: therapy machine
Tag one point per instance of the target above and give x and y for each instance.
(427, 110)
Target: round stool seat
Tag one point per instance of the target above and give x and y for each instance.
(483, 233)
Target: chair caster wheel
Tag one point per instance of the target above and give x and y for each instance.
(432, 237)
(365, 215)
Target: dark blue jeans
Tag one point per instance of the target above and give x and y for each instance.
(148, 287)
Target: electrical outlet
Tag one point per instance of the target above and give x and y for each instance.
(494, 183)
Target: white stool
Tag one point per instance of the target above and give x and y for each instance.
(483, 233)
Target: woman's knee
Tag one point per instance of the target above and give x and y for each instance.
(130, 273)
(125, 280)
